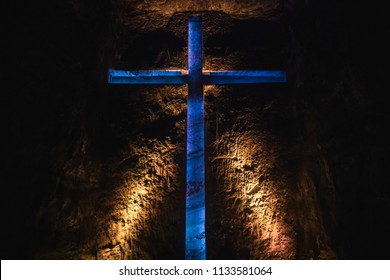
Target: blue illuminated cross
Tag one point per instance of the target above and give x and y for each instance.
(195, 77)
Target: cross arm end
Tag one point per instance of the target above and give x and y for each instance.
(175, 77)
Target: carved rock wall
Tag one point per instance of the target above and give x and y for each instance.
(294, 171)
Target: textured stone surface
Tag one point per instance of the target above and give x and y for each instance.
(96, 172)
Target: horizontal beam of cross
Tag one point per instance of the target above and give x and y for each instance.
(180, 77)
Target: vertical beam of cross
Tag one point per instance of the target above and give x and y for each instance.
(195, 78)
(195, 195)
